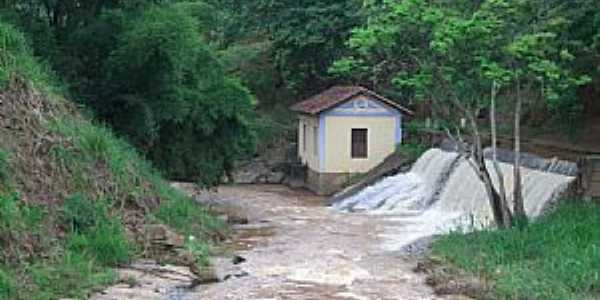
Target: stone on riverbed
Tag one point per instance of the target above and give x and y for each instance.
(147, 280)
(161, 236)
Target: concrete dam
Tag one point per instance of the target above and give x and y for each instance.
(442, 193)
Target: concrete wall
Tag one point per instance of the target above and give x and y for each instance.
(384, 126)
(326, 184)
(380, 143)
(590, 177)
(309, 125)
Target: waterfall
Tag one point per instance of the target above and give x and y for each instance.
(442, 193)
(407, 191)
(464, 192)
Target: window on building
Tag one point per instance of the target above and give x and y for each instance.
(303, 137)
(359, 143)
(316, 140)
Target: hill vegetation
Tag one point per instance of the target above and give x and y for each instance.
(146, 70)
(72, 195)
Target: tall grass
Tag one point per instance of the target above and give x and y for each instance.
(134, 179)
(557, 257)
(67, 268)
(16, 62)
(7, 284)
(130, 181)
(17, 222)
(70, 274)
(54, 251)
(95, 231)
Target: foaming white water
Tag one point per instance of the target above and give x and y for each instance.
(410, 191)
(439, 195)
(464, 192)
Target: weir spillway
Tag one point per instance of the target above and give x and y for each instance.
(441, 193)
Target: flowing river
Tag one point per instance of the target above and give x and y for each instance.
(296, 247)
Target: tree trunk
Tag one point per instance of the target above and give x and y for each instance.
(502, 214)
(499, 173)
(519, 206)
(501, 211)
(495, 200)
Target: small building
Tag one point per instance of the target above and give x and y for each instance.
(344, 131)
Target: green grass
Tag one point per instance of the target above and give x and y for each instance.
(187, 217)
(18, 222)
(67, 249)
(130, 181)
(412, 151)
(68, 268)
(556, 257)
(8, 286)
(193, 221)
(17, 63)
(70, 274)
(96, 232)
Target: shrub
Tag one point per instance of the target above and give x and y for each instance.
(412, 151)
(180, 108)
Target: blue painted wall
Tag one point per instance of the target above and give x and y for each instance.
(359, 107)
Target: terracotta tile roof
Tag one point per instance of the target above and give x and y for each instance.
(338, 95)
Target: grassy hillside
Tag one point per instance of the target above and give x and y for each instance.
(557, 257)
(74, 198)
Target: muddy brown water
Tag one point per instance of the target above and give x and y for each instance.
(245, 238)
(293, 247)
(297, 248)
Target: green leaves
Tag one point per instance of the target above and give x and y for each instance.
(307, 37)
(169, 94)
(428, 50)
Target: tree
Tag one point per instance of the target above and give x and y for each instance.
(307, 37)
(167, 92)
(454, 54)
(146, 68)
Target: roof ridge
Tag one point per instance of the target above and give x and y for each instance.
(338, 94)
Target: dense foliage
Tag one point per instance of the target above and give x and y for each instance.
(307, 36)
(173, 99)
(428, 52)
(68, 187)
(146, 70)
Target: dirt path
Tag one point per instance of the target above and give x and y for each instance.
(295, 248)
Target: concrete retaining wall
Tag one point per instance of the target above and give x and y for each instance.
(326, 184)
(590, 177)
